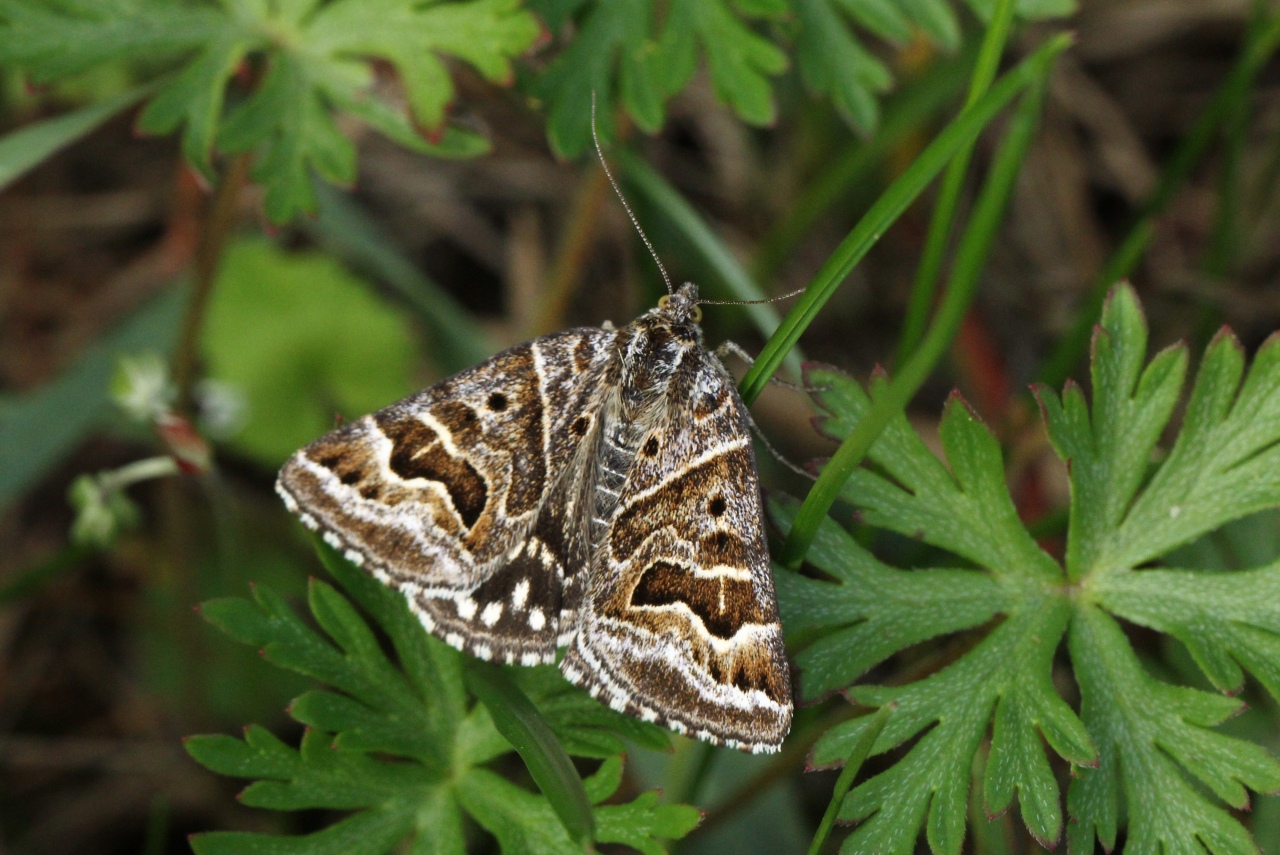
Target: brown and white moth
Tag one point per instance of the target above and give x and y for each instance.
(594, 490)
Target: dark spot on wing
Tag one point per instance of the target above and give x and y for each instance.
(716, 506)
(722, 604)
(580, 425)
(497, 402)
(651, 447)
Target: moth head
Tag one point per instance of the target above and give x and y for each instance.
(682, 306)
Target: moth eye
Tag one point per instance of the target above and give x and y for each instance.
(580, 425)
(716, 507)
(651, 447)
(663, 300)
(697, 314)
(497, 402)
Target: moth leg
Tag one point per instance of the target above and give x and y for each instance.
(732, 348)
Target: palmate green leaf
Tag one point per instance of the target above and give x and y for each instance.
(1153, 740)
(739, 60)
(834, 64)
(317, 58)
(620, 52)
(875, 610)
(1141, 747)
(397, 743)
(635, 54)
(398, 798)
(1006, 677)
(615, 41)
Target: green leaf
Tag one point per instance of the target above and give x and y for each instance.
(520, 820)
(1007, 676)
(194, 98)
(52, 41)
(834, 64)
(739, 60)
(412, 36)
(1139, 744)
(1153, 740)
(871, 610)
(963, 507)
(318, 59)
(1225, 463)
(1226, 620)
(615, 40)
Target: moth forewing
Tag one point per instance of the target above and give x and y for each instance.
(594, 489)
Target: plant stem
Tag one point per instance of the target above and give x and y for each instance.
(213, 240)
(944, 212)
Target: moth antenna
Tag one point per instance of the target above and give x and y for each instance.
(617, 192)
(751, 302)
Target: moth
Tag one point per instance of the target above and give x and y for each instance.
(593, 490)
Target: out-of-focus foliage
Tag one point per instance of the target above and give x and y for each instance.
(343, 353)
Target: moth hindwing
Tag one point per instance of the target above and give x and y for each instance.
(594, 490)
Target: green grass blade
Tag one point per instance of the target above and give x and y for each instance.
(1257, 52)
(971, 254)
(944, 211)
(890, 205)
(29, 146)
(520, 723)
(859, 754)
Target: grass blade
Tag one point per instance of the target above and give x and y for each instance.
(29, 146)
(944, 211)
(971, 255)
(890, 205)
(861, 750)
